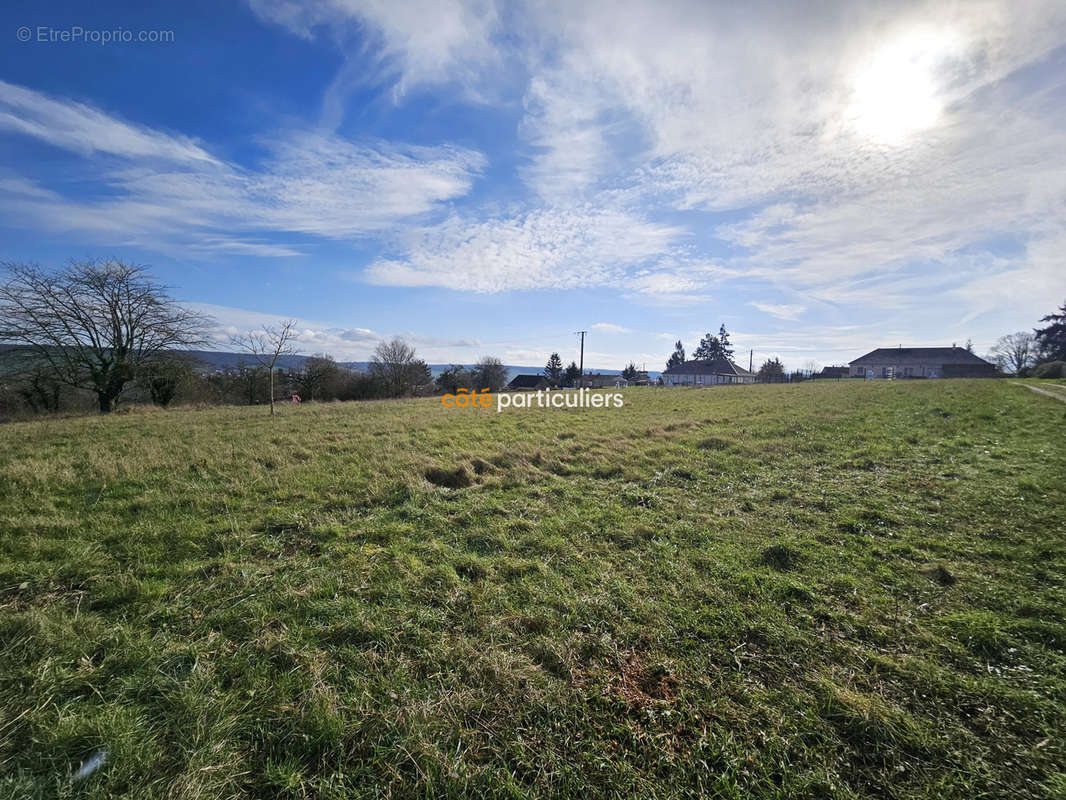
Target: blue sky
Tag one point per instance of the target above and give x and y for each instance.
(487, 177)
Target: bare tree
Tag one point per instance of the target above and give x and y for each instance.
(1015, 351)
(94, 323)
(162, 378)
(320, 373)
(394, 363)
(267, 345)
(248, 379)
(40, 390)
(490, 373)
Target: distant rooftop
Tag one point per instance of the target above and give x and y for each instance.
(527, 381)
(938, 355)
(717, 366)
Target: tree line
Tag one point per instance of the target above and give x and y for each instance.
(1040, 353)
(99, 331)
(714, 347)
(559, 376)
(710, 348)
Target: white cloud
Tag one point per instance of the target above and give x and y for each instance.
(168, 189)
(745, 102)
(346, 343)
(568, 137)
(608, 327)
(554, 248)
(415, 42)
(85, 130)
(782, 311)
(250, 247)
(857, 142)
(1035, 281)
(869, 156)
(802, 117)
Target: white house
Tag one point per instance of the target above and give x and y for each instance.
(707, 373)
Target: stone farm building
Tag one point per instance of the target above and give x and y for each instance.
(707, 373)
(922, 362)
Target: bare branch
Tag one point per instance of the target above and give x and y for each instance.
(267, 345)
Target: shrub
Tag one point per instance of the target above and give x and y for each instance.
(1052, 369)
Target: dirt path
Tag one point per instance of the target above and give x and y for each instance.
(1059, 392)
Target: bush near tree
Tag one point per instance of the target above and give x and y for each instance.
(1050, 369)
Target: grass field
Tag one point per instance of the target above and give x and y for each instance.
(816, 590)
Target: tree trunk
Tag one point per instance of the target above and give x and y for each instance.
(271, 391)
(106, 403)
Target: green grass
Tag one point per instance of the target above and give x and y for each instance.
(825, 590)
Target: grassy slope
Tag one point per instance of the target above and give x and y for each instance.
(731, 592)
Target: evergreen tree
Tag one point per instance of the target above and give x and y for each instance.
(571, 375)
(630, 372)
(554, 369)
(709, 349)
(724, 343)
(772, 369)
(1051, 340)
(677, 358)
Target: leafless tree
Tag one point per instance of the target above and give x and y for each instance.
(248, 378)
(1015, 351)
(267, 345)
(94, 323)
(320, 372)
(490, 373)
(163, 378)
(40, 390)
(395, 364)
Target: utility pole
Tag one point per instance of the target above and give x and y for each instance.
(581, 380)
(751, 359)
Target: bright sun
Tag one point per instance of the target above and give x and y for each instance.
(895, 91)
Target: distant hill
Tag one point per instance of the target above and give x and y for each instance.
(217, 360)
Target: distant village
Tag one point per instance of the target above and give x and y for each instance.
(712, 364)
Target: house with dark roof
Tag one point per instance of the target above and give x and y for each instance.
(833, 372)
(921, 362)
(712, 372)
(530, 382)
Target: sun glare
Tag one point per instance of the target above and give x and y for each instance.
(895, 93)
